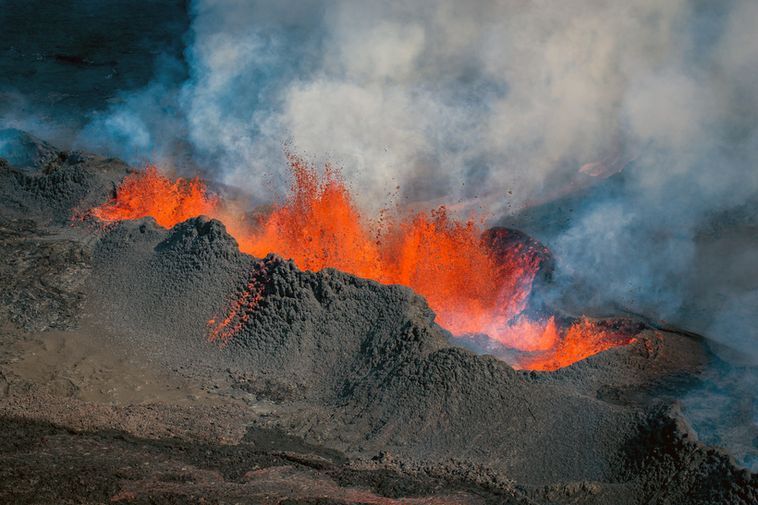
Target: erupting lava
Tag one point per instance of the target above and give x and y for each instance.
(473, 287)
(149, 193)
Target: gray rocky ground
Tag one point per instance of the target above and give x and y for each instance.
(335, 390)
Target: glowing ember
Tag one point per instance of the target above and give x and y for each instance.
(475, 286)
(240, 310)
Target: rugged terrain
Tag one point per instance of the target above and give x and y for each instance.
(335, 389)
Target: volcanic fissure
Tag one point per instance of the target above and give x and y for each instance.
(477, 283)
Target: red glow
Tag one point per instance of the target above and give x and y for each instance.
(149, 193)
(472, 287)
(580, 340)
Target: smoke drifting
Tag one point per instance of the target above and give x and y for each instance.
(495, 105)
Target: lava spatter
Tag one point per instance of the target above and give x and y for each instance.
(477, 282)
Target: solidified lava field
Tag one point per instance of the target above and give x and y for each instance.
(332, 388)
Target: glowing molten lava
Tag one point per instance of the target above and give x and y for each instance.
(581, 339)
(474, 285)
(149, 193)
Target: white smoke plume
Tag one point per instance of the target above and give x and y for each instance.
(492, 103)
(448, 99)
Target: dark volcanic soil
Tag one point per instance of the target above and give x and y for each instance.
(335, 390)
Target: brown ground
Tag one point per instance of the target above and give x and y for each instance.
(85, 420)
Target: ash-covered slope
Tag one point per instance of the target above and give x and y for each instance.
(353, 365)
(38, 180)
(363, 368)
(46, 261)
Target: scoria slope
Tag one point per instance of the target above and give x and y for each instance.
(339, 387)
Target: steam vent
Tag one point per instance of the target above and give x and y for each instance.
(387, 253)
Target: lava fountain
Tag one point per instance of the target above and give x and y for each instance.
(474, 283)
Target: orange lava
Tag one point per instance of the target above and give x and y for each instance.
(580, 340)
(149, 193)
(471, 288)
(318, 226)
(239, 311)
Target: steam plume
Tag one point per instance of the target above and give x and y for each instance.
(495, 104)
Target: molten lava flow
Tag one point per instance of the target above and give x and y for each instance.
(581, 340)
(476, 283)
(149, 193)
(446, 262)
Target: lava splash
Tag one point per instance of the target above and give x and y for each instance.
(477, 283)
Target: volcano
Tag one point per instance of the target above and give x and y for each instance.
(162, 345)
(477, 282)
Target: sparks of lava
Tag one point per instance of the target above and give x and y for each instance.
(241, 309)
(472, 288)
